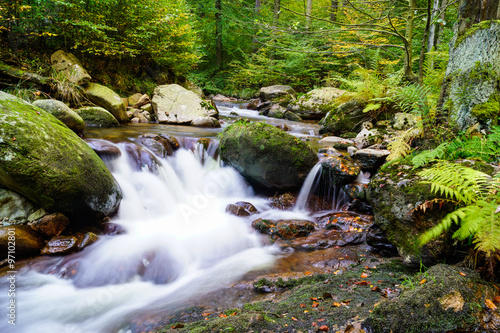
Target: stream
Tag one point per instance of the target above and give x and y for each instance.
(178, 243)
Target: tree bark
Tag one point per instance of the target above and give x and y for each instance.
(471, 12)
(218, 33)
(333, 10)
(408, 61)
(308, 13)
(425, 39)
(276, 12)
(257, 6)
(432, 29)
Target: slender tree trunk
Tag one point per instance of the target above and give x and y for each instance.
(218, 33)
(333, 10)
(442, 18)
(276, 12)
(424, 41)
(257, 7)
(432, 30)
(308, 13)
(408, 61)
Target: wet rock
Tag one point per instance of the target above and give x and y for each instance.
(325, 239)
(359, 206)
(62, 112)
(50, 225)
(140, 157)
(97, 116)
(451, 299)
(21, 239)
(61, 245)
(285, 229)
(14, 206)
(268, 157)
(316, 103)
(369, 159)
(337, 142)
(105, 149)
(141, 101)
(340, 170)
(69, 66)
(285, 201)
(156, 143)
(283, 127)
(222, 98)
(343, 221)
(241, 209)
(112, 229)
(205, 142)
(377, 239)
(172, 140)
(50, 165)
(292, 116)
(209, 122)
(276, 111)
(106, 98)
(272, 92)
(86, 240)
(329, 152)
(368, 137)
(355, 190)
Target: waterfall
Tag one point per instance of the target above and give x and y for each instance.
(178, 244)
(309, 183)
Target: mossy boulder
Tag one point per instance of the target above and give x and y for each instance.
(97, 116)
(46, 162)
(69, 67)
(316, 103)
(450, 299)
(268, 157)
(62, 112)
(348, 117)
(277, 91)
(470, 88)
(394, 193)
(106, 98)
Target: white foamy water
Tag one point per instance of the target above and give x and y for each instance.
(179, 244)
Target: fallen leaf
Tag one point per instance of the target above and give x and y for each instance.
(206, 314)
(497, 299)
(308, 273)
(222, 315)
(302, 305)
(313, 298)
(336, 304)
(423, 281)
(314, 324)
(364, 275)
(234, 313)
(463, 274)
(320, 320)
(294, 319)
(490, 305)
(324, 328)
(327, 295)
(375, 288)
(177, 326)
(315, 304)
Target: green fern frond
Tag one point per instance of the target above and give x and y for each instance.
(434, 232)
(430, 155)
(371, 107)
(398, 148)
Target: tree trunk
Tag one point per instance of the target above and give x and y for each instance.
(408, 61)
(333, 10)
(424, 41)
(474, 11)
(257, 7)
(276, 12)
(218, 33)
(442, 19)
(434, 26)
(308, 13)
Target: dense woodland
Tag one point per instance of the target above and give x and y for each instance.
(388, 54)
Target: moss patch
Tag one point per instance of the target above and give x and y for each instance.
(489, 110)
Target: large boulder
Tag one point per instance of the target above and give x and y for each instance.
(174, 104)
(267, 156)
(97, 116)
(470, 91)
(316, 103)
(69, 66)
(348, 117)
(272, 92)
(104, 97)
(27, 241)
(62, 112)
(43, 160)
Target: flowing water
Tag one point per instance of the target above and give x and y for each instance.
(178, 244)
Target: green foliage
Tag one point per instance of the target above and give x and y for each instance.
(478, 197)
(399, 146)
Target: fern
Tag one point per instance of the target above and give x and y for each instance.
(430, 155)
(478, 194)
(400, 146)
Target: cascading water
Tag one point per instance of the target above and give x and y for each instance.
(178, 244)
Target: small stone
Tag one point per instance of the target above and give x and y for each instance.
(87, 239)
(61, 245)
(50, 225)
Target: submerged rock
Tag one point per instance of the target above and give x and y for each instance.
(27, 242)
(340, 170)
(157, 144)
(241, 209)
(43, 160)
(61, 245)
(62, 112)
(266, 156)
(103, 148)
(285, 229)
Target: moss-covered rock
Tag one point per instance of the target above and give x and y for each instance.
(346, 118)
(62, 112)
(43, 160)
(108, 99)
(450, 299)
(268, 157)
(316, 103)
(97, 116)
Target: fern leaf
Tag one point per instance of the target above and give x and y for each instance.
(371, 107)
(429, 155)
(444, 225)
(398, 148)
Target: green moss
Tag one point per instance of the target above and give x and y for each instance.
(97, 116)
(488, 110)
(472, 30)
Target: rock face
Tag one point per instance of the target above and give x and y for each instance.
(340, 170)
(14, 206)
(470, 88)
(104, 97)
(97, 116)
(69, 66)
(174, 104)
(316, 103)
(62, 112)
(346, 118)
(451, 300)
(272, 92)
(43, 160)
(369, 159)
(268, 157)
